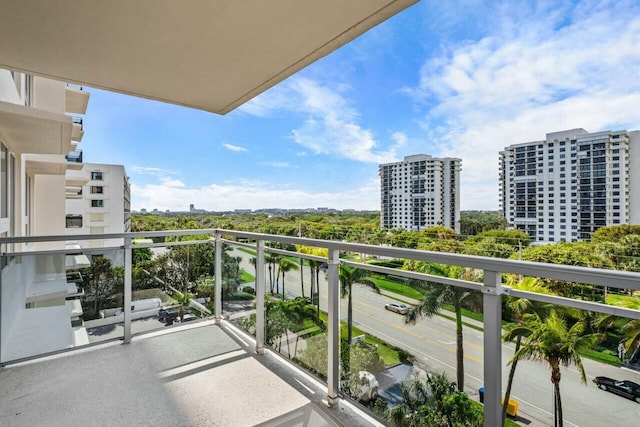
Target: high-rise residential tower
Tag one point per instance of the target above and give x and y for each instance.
(567, 186)
(420, 192)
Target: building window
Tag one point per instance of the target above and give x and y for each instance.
(97, 203)
(74, 221)
(97, 189)
(96, 176)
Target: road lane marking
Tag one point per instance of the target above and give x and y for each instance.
(409, 332)
(420, 325)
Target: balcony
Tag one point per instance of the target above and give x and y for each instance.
(74, 159)
(76, 99)
(45, 164)
(210, 372)
(30, 130)
(77, 131)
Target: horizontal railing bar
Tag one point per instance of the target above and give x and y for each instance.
(134, 235)
(75, 251)
(574, 303)
(586, 275)
(612, 278)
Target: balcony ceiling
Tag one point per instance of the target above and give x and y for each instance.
(29, 130)
(210, 55)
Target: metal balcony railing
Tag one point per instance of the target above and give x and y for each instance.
(74, 156)
(491, 288)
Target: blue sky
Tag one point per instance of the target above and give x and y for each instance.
(454, 78)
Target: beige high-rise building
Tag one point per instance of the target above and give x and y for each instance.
(420, 192)
(565, 187)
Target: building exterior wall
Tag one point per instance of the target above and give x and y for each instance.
(33, 202)
(105, 202)
(567, 186)
(420, 192)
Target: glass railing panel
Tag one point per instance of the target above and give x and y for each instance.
(100, 292)
(238, 280)
(59, 300)
(171, 284)
(307, 315)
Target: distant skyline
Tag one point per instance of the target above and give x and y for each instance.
(462, 79)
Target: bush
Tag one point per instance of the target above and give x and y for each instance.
(249, 290)
(405, 357)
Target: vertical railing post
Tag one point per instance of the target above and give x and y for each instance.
(128, 259)
(260, 291)
(492, 311)
(333, 314)
(218, 272)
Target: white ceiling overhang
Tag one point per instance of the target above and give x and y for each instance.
(29, 130)
(212, 55)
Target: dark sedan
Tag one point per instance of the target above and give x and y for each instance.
(624, 388)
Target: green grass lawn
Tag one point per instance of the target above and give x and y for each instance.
(246, 277)
(388, 354)
(397, 288)
(247, 251)
(623, 301)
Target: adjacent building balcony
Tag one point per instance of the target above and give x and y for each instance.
(226, 367)
(77, 131)
(76, 99)
(31, 130)
(74, 159)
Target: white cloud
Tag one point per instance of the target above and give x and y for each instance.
(249, 195)
(235, 148)
(279, 164)
(173, 183)
(331, 124)
(536, 74)
(145, 170)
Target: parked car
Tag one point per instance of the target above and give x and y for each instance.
(397, 307)
(624, 388)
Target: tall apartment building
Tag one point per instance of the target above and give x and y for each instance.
(420, 192)
(567, 186)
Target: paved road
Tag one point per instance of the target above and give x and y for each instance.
(432, 341)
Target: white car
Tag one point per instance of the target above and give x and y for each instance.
(397, 307)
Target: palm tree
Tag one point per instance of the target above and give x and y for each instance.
(184, 300)
(551, 341)
(519, 307)
(440, 295)
(314, 267)
(629, 328)
(253, 261)
(297, 312)
(285, 265)
(271, 260)
(348, 277)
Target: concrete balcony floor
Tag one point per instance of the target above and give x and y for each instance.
(192, 375)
